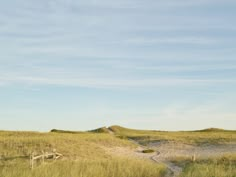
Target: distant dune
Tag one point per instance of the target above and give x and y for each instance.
(118, 129)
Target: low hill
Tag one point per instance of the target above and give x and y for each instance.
(205, 136)
(100, 130)
(120, 129)
(65, 131)
(211, 135)
(213, 130)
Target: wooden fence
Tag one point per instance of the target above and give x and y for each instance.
(45, 155)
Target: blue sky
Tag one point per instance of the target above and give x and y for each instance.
(168, 65)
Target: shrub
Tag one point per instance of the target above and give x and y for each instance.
(148, 151)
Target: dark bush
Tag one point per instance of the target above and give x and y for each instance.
(148, 151)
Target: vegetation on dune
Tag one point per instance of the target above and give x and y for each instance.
(218, 167)
(84, 155)
(148, 151)
(100, 130)
(214, 130)
(76, 145)
(207, 136)
(65, 131)
(112, 167)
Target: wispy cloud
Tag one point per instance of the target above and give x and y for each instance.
(110, 82)
(186, 68)
(172, 40)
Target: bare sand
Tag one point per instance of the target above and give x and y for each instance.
(168, 151)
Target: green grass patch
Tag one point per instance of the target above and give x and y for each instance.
(148, 151)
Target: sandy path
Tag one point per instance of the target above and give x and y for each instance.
(159, 157)
(172, 150)
(167, 151)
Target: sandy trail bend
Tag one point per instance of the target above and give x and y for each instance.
(171, 150)
(174, 170)
(167, 151)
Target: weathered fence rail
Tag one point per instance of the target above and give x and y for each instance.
(45, 155)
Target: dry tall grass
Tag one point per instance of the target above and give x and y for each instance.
(215, 167)
(84, 156)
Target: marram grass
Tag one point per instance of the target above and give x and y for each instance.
(210, 170)
(224, 166)
(114, 167)
(84, 156)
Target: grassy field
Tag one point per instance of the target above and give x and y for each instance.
(84, 156)
(110, 167)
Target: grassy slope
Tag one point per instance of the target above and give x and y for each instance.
(76, 145)
(209, 170)
(209, 136)
(219, 167)
(100, 130)
(84, 156)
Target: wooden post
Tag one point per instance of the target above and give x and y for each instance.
(193, 158)
(43, 156)
(54, 154)
(32, 160)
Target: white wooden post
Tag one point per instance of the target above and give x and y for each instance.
(54, 154)
(193, 158)
(32, 160)
(43, 156)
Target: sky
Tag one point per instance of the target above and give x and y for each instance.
(154, 64)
